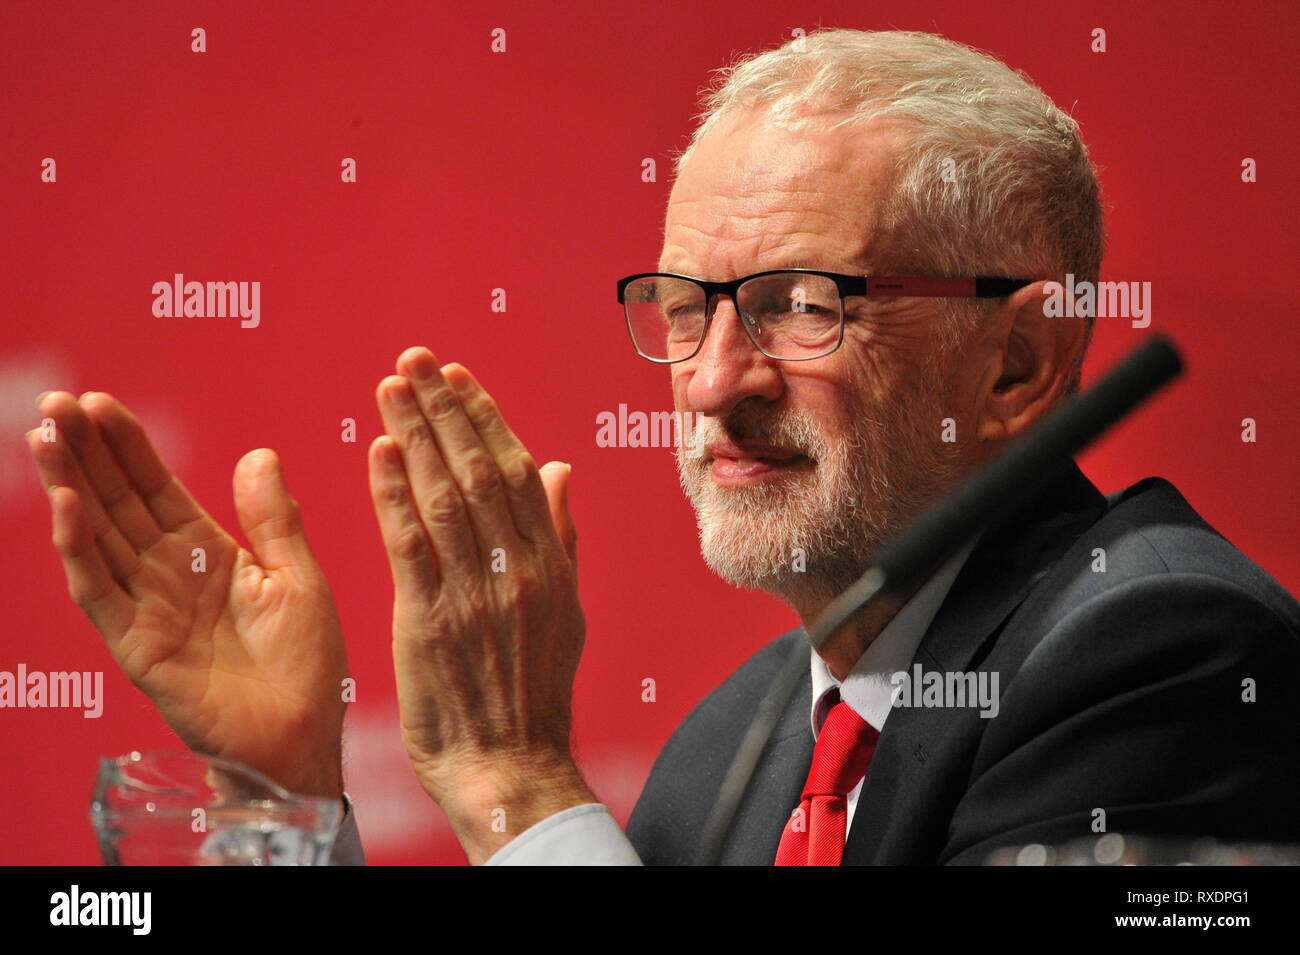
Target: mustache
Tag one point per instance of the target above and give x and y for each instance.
(781, 429)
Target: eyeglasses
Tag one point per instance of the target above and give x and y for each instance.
(789, 314)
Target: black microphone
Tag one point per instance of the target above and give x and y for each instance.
(1011, 481)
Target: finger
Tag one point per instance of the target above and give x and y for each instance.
(90, 583)
(520, 478)
(438, 500)
(410, 556)
(472, 466)
(106, 479)
(555, 479)
(58, 467)
(168, 501)
(268, 513)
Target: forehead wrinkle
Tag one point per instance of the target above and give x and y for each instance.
(826, 238)
(853, 261)
(765, 203)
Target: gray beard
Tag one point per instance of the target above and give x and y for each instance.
(812, 533)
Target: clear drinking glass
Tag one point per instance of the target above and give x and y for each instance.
(179, 808)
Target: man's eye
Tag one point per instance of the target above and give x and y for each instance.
(803, 308)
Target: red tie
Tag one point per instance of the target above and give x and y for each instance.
(816, 830)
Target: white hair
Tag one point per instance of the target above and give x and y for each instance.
(1025, 201)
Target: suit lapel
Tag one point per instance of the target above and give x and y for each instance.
(1010, 559)
(1004, 567)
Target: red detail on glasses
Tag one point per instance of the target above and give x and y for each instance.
(922, 286)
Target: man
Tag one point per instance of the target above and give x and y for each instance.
(1140, 666)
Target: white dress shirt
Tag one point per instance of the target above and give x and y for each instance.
(589, 835)
(867, 689)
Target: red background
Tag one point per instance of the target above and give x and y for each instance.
(522, 171)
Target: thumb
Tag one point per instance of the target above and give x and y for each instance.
(268, 514)
(555, 479)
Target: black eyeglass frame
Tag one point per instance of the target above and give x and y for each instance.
(863, 286)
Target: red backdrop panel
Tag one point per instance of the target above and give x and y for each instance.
(521, 170)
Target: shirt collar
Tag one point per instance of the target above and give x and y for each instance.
(867, 689)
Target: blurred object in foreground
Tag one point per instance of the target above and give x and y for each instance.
(1116, 849)
(179, 808)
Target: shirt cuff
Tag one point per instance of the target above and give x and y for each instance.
(347, 843)
(580, 835)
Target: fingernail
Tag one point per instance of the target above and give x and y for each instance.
(421, 363)
(41, 397)
(85, 395)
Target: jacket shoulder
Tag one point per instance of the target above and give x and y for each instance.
(740, 692)
(1149, 534)
(1148, 674)
(689, 769)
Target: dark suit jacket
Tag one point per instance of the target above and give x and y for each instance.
(1120, 690)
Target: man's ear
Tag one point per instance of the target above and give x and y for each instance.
(1033, 356)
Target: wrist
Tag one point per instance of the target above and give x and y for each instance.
(321, 776)
(489, 804)
(311, 757)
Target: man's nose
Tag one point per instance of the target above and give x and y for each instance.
(728, 367)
